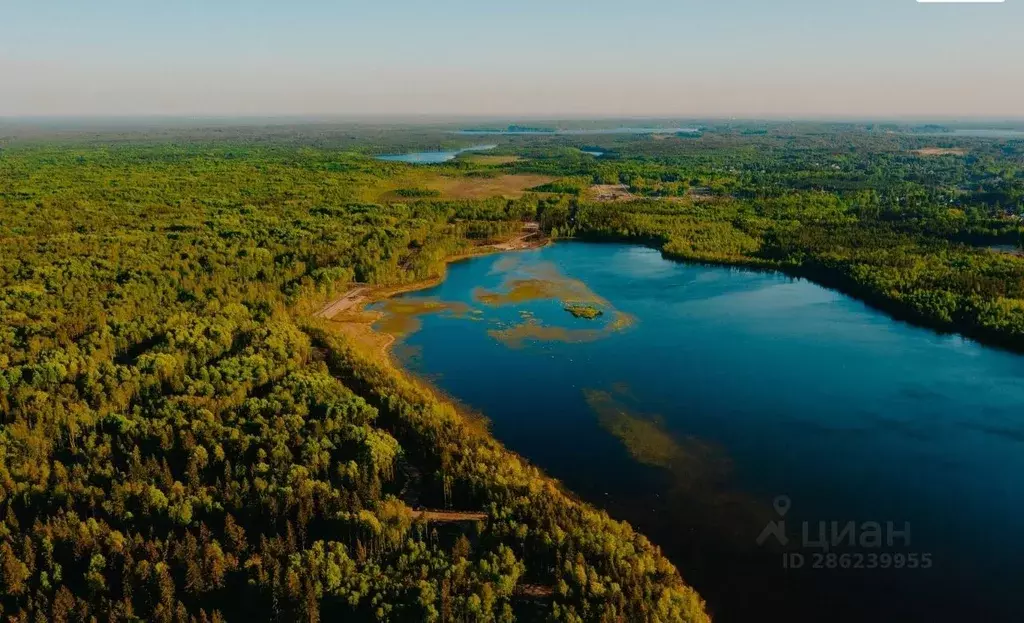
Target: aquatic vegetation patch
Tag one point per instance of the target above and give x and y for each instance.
(536, 282)
(518, 335)
(693, 462)
(521, 291)
(698, 495)
(505, 263)
(587, 312)
(401, 316)
(644, 439)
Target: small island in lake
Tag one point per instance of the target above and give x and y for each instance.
(583, 311)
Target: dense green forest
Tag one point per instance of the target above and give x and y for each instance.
(181, 440)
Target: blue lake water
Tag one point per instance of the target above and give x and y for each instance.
(702, 394)
(432, 157)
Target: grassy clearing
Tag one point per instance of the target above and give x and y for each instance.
(610, 192)
(511, 186)
(490, 160)
(940, 151)
(437, 185)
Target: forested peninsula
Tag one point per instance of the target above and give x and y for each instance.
(182, 439)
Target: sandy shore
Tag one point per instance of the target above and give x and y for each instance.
(347, 313)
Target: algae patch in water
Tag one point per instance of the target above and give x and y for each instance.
(697, 496)
(644, 439)
(401, 316)
(693, 462)
(517, 335)
(532, 330)
(587, 312)
(521, 291)
(504, 264)
(542, 281)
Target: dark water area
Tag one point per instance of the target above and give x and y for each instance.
(706, 404)
(432, 157)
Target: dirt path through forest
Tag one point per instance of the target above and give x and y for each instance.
(529, 230)
(345, 302)
(450, 516)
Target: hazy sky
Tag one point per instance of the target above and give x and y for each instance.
(524, 57)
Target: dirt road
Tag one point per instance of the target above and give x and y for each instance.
(450, 516)
(346, 301)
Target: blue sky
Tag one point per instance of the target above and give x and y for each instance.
(557, 57)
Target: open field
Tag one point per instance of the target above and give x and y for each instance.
(510, 186)
(435, 185)
(490, 159)
(940, 151)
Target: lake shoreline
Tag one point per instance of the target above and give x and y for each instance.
(356, 326)
(829, 279)
(440, 156)
(699, 559)
(361, 326)
(353, 326)
(357, 323)
(834, 281)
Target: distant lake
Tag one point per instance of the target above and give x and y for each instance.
(596, 154)
(581, 132)
(701, 394)
(432, 157)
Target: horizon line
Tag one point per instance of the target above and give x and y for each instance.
(510, 116)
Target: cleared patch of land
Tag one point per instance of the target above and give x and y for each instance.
(534, 591)
(345, 302)
(621, 192)
(527, 239)
(940, 151)
(450, 516)
(611, 192)
(700, 193)
(490, 159)
(511, 186)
